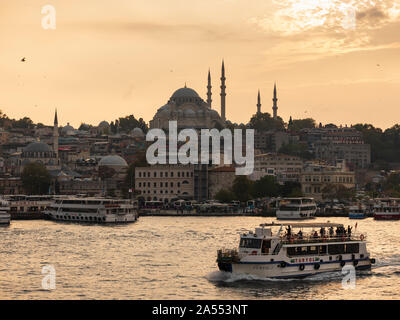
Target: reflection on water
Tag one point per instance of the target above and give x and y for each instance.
(171, 258)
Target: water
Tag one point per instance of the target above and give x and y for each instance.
(171, 258)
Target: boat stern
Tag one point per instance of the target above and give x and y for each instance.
(225, 259)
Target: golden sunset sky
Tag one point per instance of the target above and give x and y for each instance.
(112, 58)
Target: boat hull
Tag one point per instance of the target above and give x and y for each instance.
(295, 270)
(294, 215)
(387, 216)
(5, 219)
(357, 216)
(108, 219)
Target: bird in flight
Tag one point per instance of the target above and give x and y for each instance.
(23, 59)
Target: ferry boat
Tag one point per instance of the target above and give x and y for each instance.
(387, 209)
(5, 217)
(357, 212)
(277, 255)
(296, 209)
(27, 207)
(93, 210)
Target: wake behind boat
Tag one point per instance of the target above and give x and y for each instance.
(293, 255)
(93, 210)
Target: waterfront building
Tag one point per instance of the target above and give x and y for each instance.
(316, 176)
(165, 182)
(284, 167)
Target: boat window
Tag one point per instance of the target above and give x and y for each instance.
(288, 208)
(266, 245)
(250, 243)
(312, 250)
(352, 248)
(322, 249)
(336, 248)
(301, 251)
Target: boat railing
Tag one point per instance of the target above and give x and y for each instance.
(228, 255)
(309, 238)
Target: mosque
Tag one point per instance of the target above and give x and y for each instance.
(190, 111)
(42, 153)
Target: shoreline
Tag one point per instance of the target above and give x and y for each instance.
(171, 213)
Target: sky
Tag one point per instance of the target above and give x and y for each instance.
(335, 61)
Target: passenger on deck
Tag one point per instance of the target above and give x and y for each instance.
(349, 230)
(315, 234)
(331, 232)
(322, 232)
(300, 235)
(289, 232)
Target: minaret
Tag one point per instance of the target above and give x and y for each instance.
(55, 135)
(275, 105)
(209, 93)
(258, 103)
(223, 93)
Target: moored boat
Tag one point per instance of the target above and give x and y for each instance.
(296, 209)
(387, 209)
(5, 217)
(265, 254)
(93, 210)
(357, 212)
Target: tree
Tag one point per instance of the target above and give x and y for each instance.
(106, 172)
(129, 123)
(264, 122)
(339, 192)
(291, 189)
(241, 188)
(129, 181)
(267, 186)
(296, 149)
(35, 178)
(225, 196)
(300, 124)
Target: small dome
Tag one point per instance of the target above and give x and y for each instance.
(185, 93)
(104, 124)
(37, 147)
(112, 161)
(137, 132)
(67, 128)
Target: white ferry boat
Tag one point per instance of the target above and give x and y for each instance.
(296, 209)
(296, 255)
(4, 212)
(358, 212)
(387, 209)
(93, 210)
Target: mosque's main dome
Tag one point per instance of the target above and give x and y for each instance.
(185, 93)
(190, 111)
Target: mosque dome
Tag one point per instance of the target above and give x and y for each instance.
(185, 93)
(37, 147)
(104, 124)
(137, 132)
(67, 129)
(113, 161)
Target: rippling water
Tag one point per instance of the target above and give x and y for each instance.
(171, 258)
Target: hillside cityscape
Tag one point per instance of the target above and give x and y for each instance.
(300, 157)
